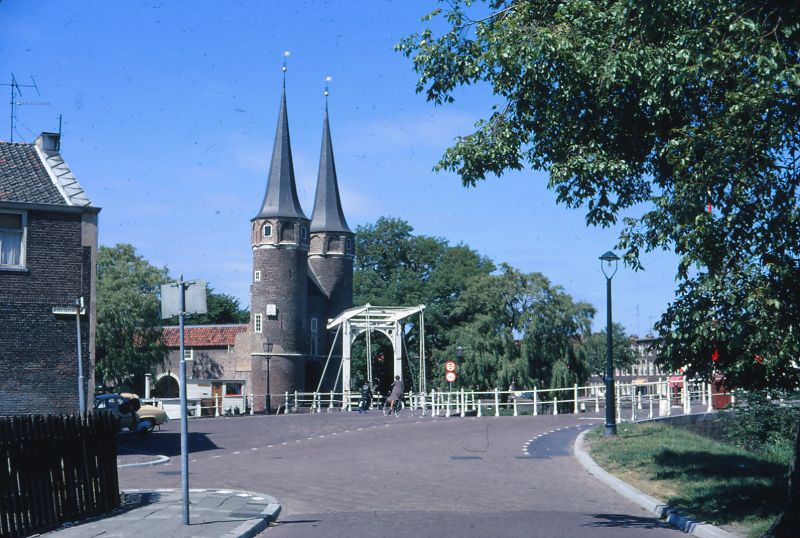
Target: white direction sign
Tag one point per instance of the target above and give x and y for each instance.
(450, 377)
(450, 366)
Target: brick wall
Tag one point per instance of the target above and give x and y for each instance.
(38, 351)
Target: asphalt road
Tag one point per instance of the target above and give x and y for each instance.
(346, 474)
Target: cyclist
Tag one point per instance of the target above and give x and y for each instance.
(396, 394)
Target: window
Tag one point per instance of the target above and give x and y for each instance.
(303, 233)
(314, 336)
(188, 354)
(349, 244)
(12, 239)
(233, 389)
(267, 230)
(257, 276)
(257, 323)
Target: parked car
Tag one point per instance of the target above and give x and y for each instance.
(132, 414)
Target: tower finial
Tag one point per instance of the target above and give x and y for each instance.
(326, 92)
(286, 54)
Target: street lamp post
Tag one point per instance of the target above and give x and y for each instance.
(459, 360)
(606, 261)
(268, 356)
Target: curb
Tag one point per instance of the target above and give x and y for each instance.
(651, 504)
(248, 529)
(270, 513)
(158, 461)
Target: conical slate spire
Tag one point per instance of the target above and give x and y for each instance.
(280, 200)
(328, 215)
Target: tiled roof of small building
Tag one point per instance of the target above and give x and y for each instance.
(23, 176)
(203, 335)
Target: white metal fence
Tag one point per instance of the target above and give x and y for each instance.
(634, 401)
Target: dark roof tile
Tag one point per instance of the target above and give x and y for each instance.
(23, 177)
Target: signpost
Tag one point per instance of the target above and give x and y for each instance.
(450, 373)
(181, 298)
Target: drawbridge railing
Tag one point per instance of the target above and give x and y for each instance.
(634, 401)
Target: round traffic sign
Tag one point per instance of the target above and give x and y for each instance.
(450, 366)
(450, 377)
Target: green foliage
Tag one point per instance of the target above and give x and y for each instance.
(760, 425)
(662, 108)
(595, 348)
(129, 342)
(513, 326)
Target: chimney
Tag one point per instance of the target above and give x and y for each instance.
(49, 142)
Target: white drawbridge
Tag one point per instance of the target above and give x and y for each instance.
(387, 320)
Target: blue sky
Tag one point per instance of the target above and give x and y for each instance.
(169, 116)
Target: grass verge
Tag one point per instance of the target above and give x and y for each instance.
(705, 479)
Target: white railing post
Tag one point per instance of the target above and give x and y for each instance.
(296, 403)
(575, 390)
(449, 394)
(687, 404)
(463, 403)
(330, 402)
(515, 407)
(480, 414)
(618, 402)
(597, 400)
(555, 405)
(251, 403)
(434, 404)
(535, 401)
(472, 395)
(650, 401)
(710, 398)
(496, 402)
(286, 402)
(633, 408)
(702, 394)
(217, 403)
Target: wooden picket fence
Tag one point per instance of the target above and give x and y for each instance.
(55, 469)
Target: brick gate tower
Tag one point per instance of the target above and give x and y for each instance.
(302, 276)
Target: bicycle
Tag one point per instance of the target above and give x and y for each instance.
(398, 407)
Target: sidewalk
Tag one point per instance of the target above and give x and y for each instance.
(212, 514)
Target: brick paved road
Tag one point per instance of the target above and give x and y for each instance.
(344, 474)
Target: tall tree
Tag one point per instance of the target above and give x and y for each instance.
(689, 107)
(129, 342)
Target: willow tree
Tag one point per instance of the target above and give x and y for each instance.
(687, 108)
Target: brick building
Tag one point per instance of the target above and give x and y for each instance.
(48, 248)
(302, 276)
(209, 350)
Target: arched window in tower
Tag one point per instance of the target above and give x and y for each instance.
(267, 230)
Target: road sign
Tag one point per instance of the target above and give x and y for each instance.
(450, 366)
(450, 377)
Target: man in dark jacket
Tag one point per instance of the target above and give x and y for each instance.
(366, 398)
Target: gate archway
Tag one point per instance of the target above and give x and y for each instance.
(386, 320)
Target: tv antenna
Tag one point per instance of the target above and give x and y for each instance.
(16, 93)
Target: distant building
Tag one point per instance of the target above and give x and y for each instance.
(644, 368)
(48, 249)
(208, 350)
